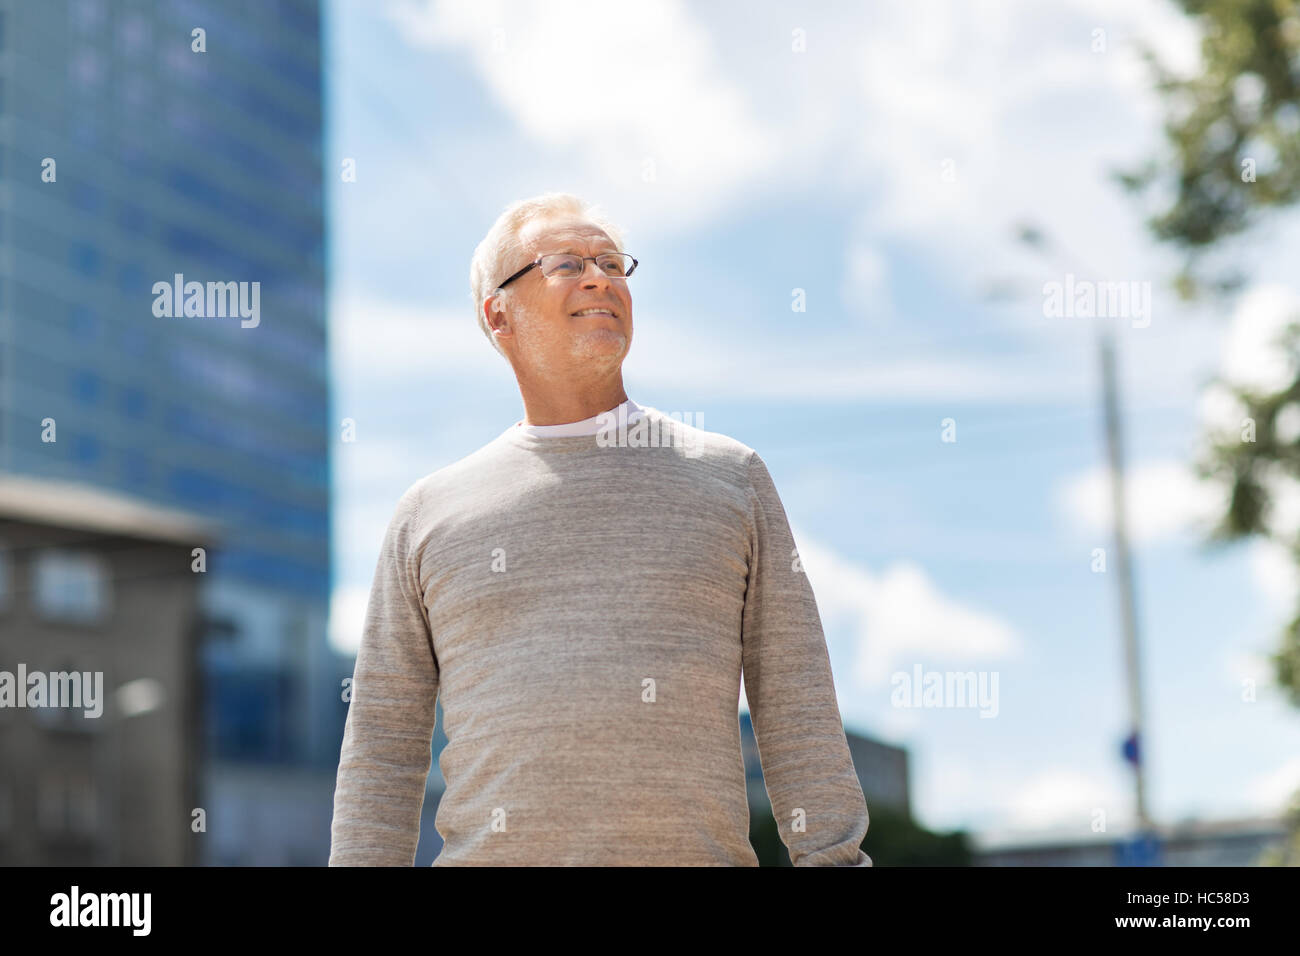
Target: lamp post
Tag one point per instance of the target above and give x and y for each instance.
(1134, 748)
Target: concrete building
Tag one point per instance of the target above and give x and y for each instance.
(101, 586)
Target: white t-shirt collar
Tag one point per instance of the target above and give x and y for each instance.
(588, 426)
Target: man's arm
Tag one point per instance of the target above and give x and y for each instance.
(385, 759)
(816, 797)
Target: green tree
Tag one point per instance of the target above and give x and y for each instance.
(893, 839)
(1233, 137)
(1233, 132)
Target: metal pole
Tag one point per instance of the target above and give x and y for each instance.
(1123, 567)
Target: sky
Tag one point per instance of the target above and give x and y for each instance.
(870, 163)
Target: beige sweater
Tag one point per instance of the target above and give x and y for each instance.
(585, 609)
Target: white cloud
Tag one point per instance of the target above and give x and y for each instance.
(1008, 803)
(1221, 413)
(1273, 569)
(1010, 99)
(899, 615)
(1060, 796)
(1251, 357)
(372, 337)
(1172, 34)
(958, 81)
(930, 81)
(1270, 793)
(866, 284)
(1250, 354)
(1284, 500)
(403, 346)
(347, 617)
(898, 725)
(835, 364)
(1162, 498)
(1240, 666)
(614, 88)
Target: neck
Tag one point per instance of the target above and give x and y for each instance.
(559, 406)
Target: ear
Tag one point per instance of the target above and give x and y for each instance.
(493, 304)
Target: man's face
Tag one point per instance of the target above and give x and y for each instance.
(546, 333)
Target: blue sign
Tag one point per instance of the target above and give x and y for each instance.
(1132, 753)
(1141, 850)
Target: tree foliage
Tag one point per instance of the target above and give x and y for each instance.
(1233, 132)
(1233, 129)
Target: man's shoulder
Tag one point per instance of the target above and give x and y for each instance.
(687, 432)
(460, 472)
(467, 472)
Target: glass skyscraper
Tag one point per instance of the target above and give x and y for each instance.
(145, 146)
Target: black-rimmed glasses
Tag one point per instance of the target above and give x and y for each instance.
(565, 265)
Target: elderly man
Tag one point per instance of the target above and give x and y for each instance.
(586, 601)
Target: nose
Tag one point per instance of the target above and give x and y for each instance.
(598, 274)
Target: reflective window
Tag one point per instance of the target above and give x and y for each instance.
(87, 14)
(131, 280)
(86, 197)
(137, 471)
(85, 385)
(83, 323)
(132, 35)
(86, 449)
(135, 402)
(132, 219)
(84, 258)
(248, 712)
(87, 68)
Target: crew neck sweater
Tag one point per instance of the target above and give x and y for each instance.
(588, 426)
(587, 606)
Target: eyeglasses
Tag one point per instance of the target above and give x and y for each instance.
(616, 265)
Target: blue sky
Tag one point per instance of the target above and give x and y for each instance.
(880, 170)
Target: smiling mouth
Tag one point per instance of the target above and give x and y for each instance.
(608, 312)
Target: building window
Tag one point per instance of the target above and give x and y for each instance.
(131, 279)
(85, 385)
(87, 68)
(132, 36)
(135, 403)
(67, 805)
(86, 197)
(87, 14)
(137, 470)
(249, 713)
(84, 323)
(85, 449)
(71, 586)
(84, 258)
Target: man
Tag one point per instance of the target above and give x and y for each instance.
(583, 591)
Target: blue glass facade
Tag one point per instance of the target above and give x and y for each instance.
(126, 157)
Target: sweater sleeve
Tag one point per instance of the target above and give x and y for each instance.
(816, 798)
(386, 753)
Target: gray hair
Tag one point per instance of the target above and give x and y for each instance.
(500, 249)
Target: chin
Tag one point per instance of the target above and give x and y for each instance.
(602, 343)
